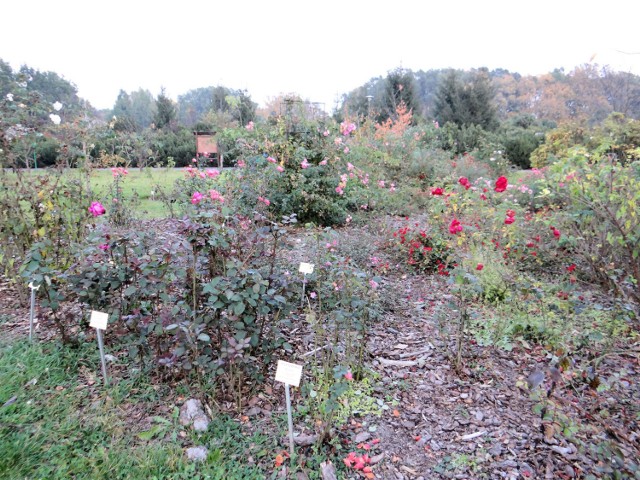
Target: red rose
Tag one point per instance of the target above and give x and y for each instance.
(464, 181)
(479, 267)
(455, 226)
(437, 191)
(501, 184)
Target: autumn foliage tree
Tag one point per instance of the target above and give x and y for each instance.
(399, 89)
(395, 127)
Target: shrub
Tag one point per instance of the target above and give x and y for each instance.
(599, 198)
(556, 144)
(49, 210)
(423, 248)
(309, 174)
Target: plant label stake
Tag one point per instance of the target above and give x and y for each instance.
(305, 268)
(33, 309)
(289, 374)
(99, 322)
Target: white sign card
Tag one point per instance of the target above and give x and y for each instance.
(306, 268)
(288, 373)
(99, 320)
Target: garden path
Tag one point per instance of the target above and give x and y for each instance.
(480, 422)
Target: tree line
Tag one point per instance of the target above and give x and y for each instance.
(588, 93)
(474, 107)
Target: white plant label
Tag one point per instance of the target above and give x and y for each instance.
(288, 373)
(306, 268)
(99, 320)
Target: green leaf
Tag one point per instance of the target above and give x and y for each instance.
(161, 420)
(204, 337)
(238, 308)
(153, 432)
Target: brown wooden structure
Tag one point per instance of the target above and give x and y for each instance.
(207, 145)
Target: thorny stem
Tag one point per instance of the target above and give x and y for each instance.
(193, 281)
(461, 328)
(57, 321)
(273, 254)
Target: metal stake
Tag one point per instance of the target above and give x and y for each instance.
(304, 284)
(33, 309)
(102, 359)
(288, 399)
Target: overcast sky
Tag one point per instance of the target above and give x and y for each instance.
(318, 49)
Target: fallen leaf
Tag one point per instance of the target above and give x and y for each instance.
(279, 460)
(396, 413)
(33, 381)
(555, 374)
(535, 379)
(549, 431)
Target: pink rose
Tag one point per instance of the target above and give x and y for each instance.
(96, 209)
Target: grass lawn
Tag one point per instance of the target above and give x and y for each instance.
(141, 182)
(57, 421)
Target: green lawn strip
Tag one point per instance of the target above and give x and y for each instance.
(141, 182)
(79, 432)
